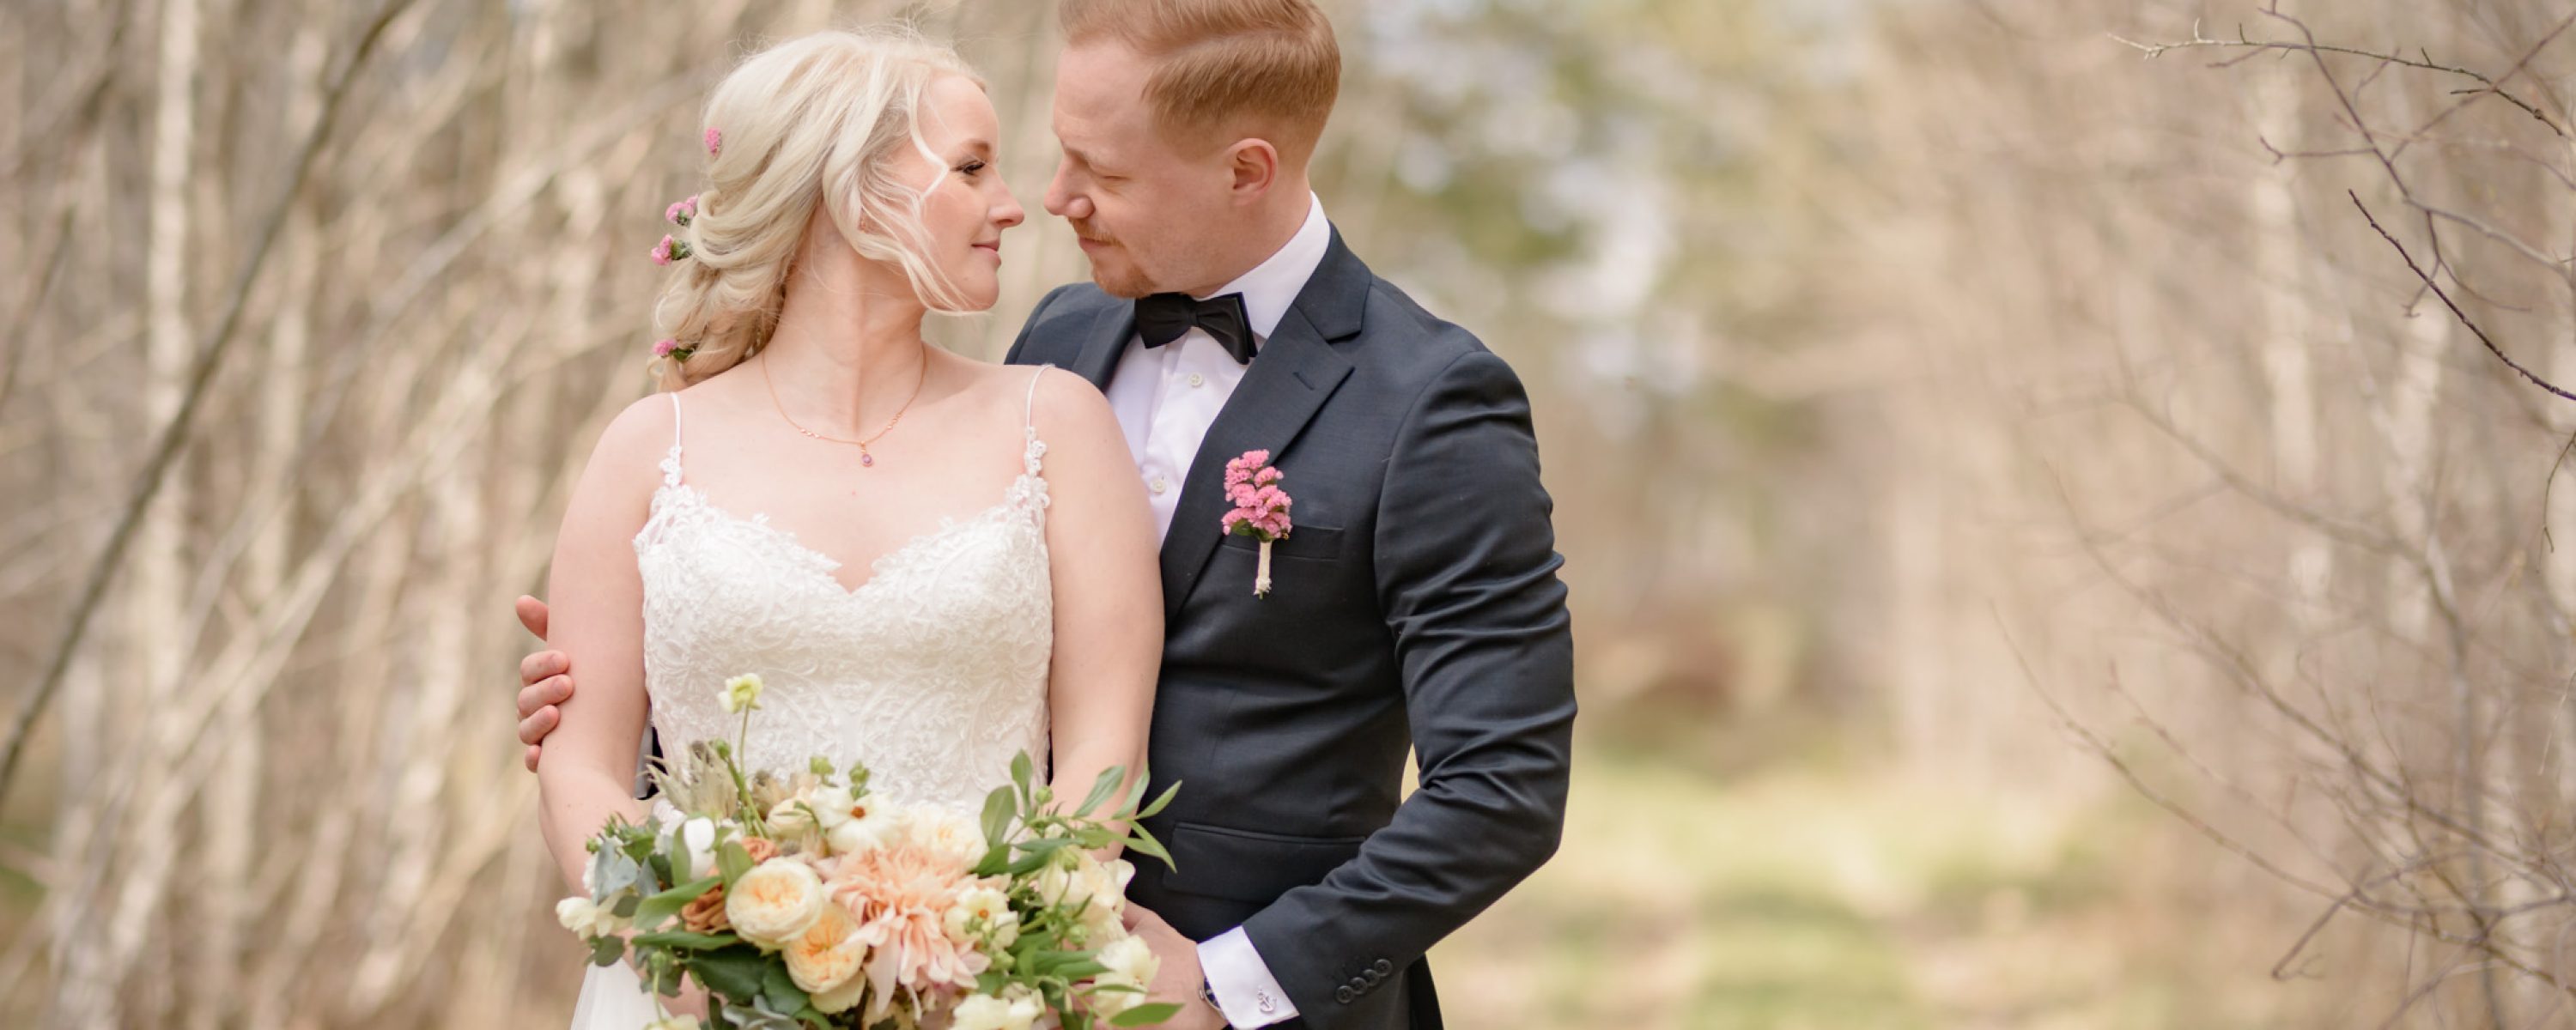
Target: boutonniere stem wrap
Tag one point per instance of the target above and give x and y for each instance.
(1260, 508)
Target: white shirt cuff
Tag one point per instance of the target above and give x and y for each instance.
(1245, 991)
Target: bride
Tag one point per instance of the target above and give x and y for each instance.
(935, 563)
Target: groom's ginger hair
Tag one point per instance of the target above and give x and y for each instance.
(1267, 65)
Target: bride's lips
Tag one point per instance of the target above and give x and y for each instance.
(995, 247)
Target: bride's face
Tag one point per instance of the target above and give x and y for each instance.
(965, 205)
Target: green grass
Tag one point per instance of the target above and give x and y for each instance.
(1805, 897)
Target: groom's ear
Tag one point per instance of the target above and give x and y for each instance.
(1255, 166)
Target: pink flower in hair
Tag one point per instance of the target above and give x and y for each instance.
(662, 252)
(1260, 508)
(662, 348)
(715, 142)
(680, 213)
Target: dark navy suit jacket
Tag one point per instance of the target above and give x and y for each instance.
(1415, 605)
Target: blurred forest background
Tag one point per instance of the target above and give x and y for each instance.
(2041, 558)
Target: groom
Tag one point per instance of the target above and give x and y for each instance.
(1415, 602)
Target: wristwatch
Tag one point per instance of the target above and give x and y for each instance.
(1207, 993)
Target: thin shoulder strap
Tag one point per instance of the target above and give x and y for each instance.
(1030, 416)
(671, 462)
(1029, 424)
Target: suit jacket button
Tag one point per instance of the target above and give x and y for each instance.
(1383, 968)
(1343, 994)
(1359, 983)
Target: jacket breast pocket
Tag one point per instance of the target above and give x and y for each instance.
(1245, 865)
(1314, 543)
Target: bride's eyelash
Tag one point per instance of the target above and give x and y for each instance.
(971, 167)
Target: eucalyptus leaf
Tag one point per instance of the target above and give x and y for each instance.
(1141, 841)
(1084, 968)
(1101, 787)
(1047, 846)
(1160, 800)
(732, 860)
(1146, 1015)
(998, 810)
(1136, 791)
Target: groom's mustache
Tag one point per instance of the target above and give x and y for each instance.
(1085, 232)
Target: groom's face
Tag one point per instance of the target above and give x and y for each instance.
(1144, 206)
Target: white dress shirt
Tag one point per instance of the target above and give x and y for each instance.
(1165, 398)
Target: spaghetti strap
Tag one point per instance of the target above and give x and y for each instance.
(1029, 425)
(671, 462)
(1029, 417)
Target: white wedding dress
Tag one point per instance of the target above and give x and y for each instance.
(933, 672)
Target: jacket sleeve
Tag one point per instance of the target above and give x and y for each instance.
(1467, 577)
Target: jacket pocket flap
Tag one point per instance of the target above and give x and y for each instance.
(1242, 865)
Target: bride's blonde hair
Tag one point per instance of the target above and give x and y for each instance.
(814, 120)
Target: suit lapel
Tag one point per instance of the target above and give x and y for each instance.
(1287, 383)
(1098, 358)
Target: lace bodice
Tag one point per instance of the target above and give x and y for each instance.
(933, 672)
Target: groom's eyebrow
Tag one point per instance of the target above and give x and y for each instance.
(1085, 160)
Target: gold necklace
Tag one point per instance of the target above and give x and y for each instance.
(866, 460)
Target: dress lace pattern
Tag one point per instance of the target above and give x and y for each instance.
(933, 672)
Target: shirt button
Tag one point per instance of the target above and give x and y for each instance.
(1197, 379)
(1159, 486)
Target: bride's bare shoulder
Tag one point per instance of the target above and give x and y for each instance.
(645, 429)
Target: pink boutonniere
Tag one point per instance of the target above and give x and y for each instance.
(1260, 508)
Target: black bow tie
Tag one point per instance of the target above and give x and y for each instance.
(1161, 318)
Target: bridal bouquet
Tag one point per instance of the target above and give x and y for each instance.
(804, 899)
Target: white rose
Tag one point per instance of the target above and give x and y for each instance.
(828, 955)
(580, 915)
(1132, 964)
(775, 902)
(944, 831)
(674, 1023)
(1088, 880)
(1017, 1009)
(840, 999)
(1105, 884)
(1130, 960)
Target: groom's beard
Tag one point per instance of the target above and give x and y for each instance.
(1118, 275)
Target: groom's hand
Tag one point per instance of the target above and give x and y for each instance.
(1177, 979)
(545, 680)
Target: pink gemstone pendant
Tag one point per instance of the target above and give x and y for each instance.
(867, 460)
